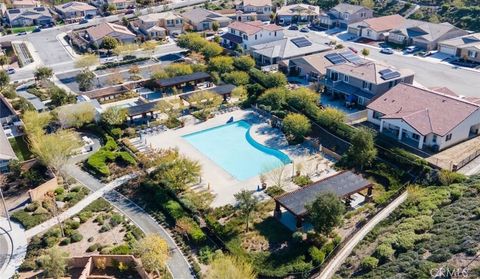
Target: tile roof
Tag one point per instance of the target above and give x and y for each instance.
(348, 8)
(75, 7)
(158, 16)
(368, 72)
(257, 3)
(105, 29)
(425, 110)
(201, 14)
(253, 27)
(31, 13)
(296, 9)
(384, 23)
(342, 184)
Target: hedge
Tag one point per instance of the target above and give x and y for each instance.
(98, 161)
(29, 220)
(317, 255)
(121, 63)
(174, 209)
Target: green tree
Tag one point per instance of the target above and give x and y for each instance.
(85, 80)
(43, 73)
(244, 63)
(205, 100)
(275, 80)
(109, 43)
(211, 49)
(153, 251)
(221, 64)
(54, 263)
(246, 203)
(223, 267)
(274, 98)
(112, 8)
(237, 78)
(4, 60)
(149, 46)
(192, 41)
(178, 69)
(365, 52)
(326, 212)
(367, 3)
(114, 116)
(362, 152)
(330, 116)
(159, 74)
(75, 115)
(60, 97)
(87, 61)
(215, 26)
(302, 99)
(296, 126)
(4, 79)
(239, 92)
(179, 173)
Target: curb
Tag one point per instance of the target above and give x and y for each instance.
(10, 248)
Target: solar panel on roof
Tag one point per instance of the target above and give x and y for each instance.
(385, 71)
(351, 57)
(391, 75)
(301, 42)
(335, 58)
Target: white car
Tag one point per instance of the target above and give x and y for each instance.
(386, 50)
(410, 49)
(11, 71)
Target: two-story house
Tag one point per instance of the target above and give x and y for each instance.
(159, 25)
(263, 8)
(247, 34)
(201, 19)
(343, 15)
(19, 4)
(121, 4)
(75, 10)
(433, 118)
(360, 83)
(297, 13)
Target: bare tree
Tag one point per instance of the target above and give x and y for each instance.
(276, 176)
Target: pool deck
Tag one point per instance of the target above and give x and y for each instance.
(219, 181)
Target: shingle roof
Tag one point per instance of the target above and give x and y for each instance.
(16, 3)
(253, 27)
(6, 150)
(348, 8)
(464, 41)
(257, 3)
(342, 184)
(424, 110)
(384, 23)
(425, 30)
(158, 16)
(285, 48)
(298, 9)
(31, 13)
(200, 14)
(75, 6)
(368, 72)
(105, 29)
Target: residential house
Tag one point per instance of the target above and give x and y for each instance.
(466, 47)
(376, 28)
(75, 10)
(360, 83)
(121, 4)
(424, 35)
(238, 15)
(247, 34)
(28, 16)
(297, 13)
(263, 8)
(420, 117)
(96, 34)
(343, 15)
(19, 4)
(6, 152)
(201, 19)
(159, 25)
(274, 52)
(314, 67)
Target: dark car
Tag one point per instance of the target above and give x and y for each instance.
(129, 12)
(89, 16)
(293, 27)
(305, 30)
(36, 30)
(83, 21)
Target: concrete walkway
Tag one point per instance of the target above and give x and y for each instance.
(13, 248)
(342, 255)
(79, 206)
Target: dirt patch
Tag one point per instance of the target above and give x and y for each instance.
(456, 154)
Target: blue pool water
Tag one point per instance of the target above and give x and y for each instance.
(231, 147)
(152, 96)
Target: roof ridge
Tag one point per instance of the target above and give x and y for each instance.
(442, 94)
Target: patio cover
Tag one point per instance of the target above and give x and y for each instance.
(342, 184)
(166, 82)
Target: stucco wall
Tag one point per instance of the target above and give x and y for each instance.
(39, 192)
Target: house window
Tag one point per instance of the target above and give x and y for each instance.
(449, 137)
(256, 37)
(377, 115)
(334, 76)
(434, 139)
(366, 85)
(345, 16)
(363, 14)
(275, 33)
(416, 136)
(345, 78)
(390, 84)
(472, 54)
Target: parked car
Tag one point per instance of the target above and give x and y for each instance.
(410, 49)
(293, 27)
(36, 30)
(305, 30)
(11, 71)
(386, 50)
(89, 16)
(22, 33)
(83, 21)
(428, 53)
(129, 12)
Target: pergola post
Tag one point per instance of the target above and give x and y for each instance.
(370, 193)
(277, 213)
(298, 223)
(348, 201)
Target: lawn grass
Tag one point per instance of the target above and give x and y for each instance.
(20, 147)
(16, 30)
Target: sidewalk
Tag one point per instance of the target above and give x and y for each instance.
(79, 206)
(16, 248)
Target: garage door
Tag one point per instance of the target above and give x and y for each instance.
(447, 50)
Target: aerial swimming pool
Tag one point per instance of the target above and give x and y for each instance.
(231, 147)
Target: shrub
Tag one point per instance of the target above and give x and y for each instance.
(76, 237)
(125, 157)
(297, 237)
(28, 265)
(317, 255)
(105, 228)
(29, 221)
(65, 241)
(59, 191)
(72, 224)
(122, 249)
(328, 248)
(302, 180)
(197, 235)
(369, 263)
(32, 207)
(116, 219)
(93, 248)
(99, 205)
(174, 209)
(384, 252)
(205, 255)
(84, 216)
(117, 132)
(274, 191)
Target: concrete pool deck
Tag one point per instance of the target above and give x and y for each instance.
(214, 177)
